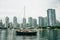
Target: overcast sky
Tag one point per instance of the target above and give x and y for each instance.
(33, 8)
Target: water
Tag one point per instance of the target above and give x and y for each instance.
(45, 34)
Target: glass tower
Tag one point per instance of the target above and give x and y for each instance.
(30, 21)
(15, 22)
(24, 22)
(7, 22)
(51, 17)
(34, 23)
(1, 24)
(41, 21)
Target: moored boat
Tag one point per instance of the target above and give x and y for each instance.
(26, 32)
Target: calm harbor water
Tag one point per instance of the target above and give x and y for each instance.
(44, 34)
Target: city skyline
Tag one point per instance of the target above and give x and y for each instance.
(49, 20)
(51, 13)
(29, 19)
(34, 8)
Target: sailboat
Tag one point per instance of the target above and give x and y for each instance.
(26, 31)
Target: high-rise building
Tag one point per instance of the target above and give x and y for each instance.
(1, 24)
(45, 21)
(15, 22)
(57, 23)
(18, 25)
(27, 25)
(24, 22)
(41, 21)
(34, 23)
(11, 26)
(7, 22)
(51, 17)
(21, 25)
(30, 21)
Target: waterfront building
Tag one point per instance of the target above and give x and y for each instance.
(27, 25)
(45, 21)
(1, 24)
(18, 25)
(15, 22)
(24, 22)
(6, 22)
(34, 23)
(11, 25)
(30, 21)
(57, 23)
(21, 25)
(51, 17)
(41, 21)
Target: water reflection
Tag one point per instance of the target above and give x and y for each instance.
(44, 34)
(52, 34)
(0, 34)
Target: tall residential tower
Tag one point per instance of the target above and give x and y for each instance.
(51, 17)
(34, 23)
(24, 22)
(30, 21)
(15, 22)
(7, 22)
(41, 21)
(1, 24)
